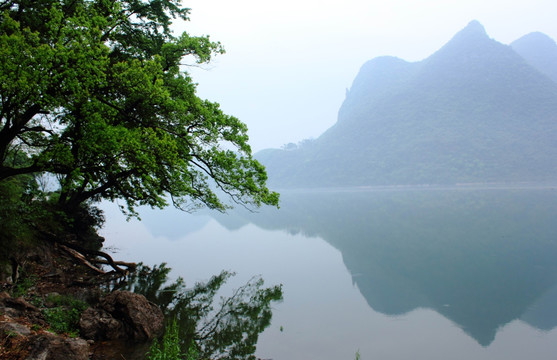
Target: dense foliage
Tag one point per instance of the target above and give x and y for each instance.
(96, 103)
(95, 92)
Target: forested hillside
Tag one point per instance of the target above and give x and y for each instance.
(474, 111)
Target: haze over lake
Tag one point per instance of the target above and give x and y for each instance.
(426, 229)
(396, 273)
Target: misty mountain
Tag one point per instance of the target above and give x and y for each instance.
(474, 111)
(540, 51)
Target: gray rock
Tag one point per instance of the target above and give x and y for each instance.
(142, 319)
(122, 315)
(14, 328)
(97, 324)
(53, 347)
(18, 307)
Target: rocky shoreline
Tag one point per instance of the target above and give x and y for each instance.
(54, 290)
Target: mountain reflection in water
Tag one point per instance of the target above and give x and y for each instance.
(481, 258)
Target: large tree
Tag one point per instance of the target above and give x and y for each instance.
(97, 93)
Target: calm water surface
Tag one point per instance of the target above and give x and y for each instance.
(395, 274)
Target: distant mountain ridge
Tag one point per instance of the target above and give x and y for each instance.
(540, 51)
(474, 111)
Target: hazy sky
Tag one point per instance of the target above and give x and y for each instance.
(288, 64)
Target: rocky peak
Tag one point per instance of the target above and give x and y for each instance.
(473, 29)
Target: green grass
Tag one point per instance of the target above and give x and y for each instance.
(63, 318)
(169, 347)
(24, 283)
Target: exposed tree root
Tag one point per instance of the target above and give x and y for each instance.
(77, 255)
(79, 252)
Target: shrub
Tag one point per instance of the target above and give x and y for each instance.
(169, 348)
(63, 318)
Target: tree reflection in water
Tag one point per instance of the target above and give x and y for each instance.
(225, 329)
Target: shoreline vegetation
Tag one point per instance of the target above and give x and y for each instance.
(58, 308)
(97, 104)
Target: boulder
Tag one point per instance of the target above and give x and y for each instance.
(142, 319)
(97, 324)
(19, 307)
(122, 315)
(13, 328)
(53, 347)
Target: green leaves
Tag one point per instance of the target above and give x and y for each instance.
(94, 92)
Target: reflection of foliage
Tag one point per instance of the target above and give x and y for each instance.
(229, 330)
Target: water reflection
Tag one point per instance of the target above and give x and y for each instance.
(479, 258)
(226, 330)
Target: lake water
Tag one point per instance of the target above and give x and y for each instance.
(394, 273)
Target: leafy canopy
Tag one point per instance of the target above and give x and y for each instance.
(97, 93)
